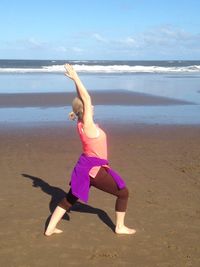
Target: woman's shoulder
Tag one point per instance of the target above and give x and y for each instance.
(90, 131)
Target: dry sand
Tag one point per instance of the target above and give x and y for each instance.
(161, 167)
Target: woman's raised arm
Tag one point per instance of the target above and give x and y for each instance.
(82, 94)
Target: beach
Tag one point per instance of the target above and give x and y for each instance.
(153, 128)
(139, 62)
(160, 164)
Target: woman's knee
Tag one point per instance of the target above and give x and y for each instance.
(68, 201)
(124, 193)
(65, 204)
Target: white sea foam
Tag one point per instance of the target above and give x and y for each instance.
(106, 69)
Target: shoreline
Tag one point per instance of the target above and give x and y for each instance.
(110, 125)
(121, 127)
(110, 97)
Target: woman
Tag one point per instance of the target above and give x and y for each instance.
(92, 168)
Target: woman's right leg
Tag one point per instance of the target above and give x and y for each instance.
(105, 182)
(64, 205)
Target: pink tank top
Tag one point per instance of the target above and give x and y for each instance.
(93, 147)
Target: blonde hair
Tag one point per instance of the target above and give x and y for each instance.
(77, 107)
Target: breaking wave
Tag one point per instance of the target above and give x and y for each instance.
(84, 68)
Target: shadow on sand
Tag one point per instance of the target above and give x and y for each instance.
(57, 194)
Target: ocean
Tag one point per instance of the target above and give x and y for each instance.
(172, 79)
(100, 66)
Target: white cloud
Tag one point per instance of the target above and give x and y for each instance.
(165, 40)
(160, 42)
(100, 38)
(130, 41)
(167, 36)
(127, 42)
(62, 49)
(77, 49)
(33, 43)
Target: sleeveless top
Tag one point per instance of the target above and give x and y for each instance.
(93, 147)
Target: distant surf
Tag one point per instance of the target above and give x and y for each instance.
(57, 66)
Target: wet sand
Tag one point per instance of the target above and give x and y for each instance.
(118, 97)
(161, 167)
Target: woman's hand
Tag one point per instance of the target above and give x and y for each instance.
(70, 72)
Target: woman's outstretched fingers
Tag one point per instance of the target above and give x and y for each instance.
(70, 72)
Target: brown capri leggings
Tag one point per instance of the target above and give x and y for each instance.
(105, 182)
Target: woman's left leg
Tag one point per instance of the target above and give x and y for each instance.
(64, 205)
(105, 182)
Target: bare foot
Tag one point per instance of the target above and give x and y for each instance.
(124, 230)
(54, 231)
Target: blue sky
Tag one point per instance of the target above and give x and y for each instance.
(99, 29)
